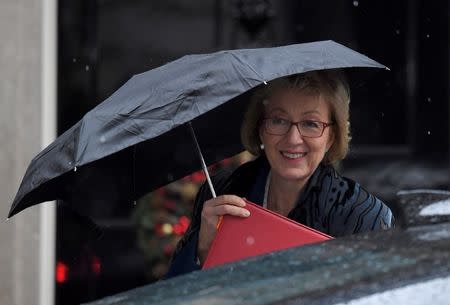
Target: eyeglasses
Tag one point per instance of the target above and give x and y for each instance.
(307, 128)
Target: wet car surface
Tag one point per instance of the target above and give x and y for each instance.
(332, 272)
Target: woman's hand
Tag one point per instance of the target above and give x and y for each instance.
(213, 209)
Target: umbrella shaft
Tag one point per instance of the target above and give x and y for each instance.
(202, 160)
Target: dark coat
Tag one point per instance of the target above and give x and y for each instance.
(330, 203)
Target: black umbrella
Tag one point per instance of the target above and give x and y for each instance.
(140, 138)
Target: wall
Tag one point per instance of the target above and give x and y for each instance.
(21, 135)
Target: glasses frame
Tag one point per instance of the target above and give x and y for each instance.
(324, 125)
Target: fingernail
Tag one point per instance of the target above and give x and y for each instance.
(247, 213)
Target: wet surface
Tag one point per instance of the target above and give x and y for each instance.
(335, 271)
(421, 207)
(417, 294)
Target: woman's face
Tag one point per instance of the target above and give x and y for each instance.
(292, 156)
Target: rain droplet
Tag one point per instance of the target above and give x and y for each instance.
(169, 176)
(429, 99)
(134, 202)
(86, 68)
(355, 3)
(428, 35)
(265, 83)
(75, 169)
(397, 31)
(102, 139)
(70, 163)
(429, 132)
(74, 60)
(382, 114)
(250, 240)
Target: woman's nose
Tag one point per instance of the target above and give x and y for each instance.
(294, 135)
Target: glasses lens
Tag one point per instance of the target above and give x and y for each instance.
(312, 129)
(277, 126)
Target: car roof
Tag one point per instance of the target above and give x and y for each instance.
(331, 272)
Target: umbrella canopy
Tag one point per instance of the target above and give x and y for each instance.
(138, 139)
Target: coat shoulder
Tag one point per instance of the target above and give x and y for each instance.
(348, 208)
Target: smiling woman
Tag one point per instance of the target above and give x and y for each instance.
(327, 86)
(298, 128)
(293, 154)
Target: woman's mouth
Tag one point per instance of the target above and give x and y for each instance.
(293, 155)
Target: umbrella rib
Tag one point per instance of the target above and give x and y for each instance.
(247, 65)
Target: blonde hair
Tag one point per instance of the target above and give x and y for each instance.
(330, 84)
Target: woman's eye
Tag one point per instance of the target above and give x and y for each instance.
(279, 121)
(310, 124)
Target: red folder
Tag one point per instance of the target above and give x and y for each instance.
(262, 232)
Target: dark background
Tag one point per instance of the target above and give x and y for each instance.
(399, 118)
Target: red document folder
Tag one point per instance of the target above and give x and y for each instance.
(262, 232)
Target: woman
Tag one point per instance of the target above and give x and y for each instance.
(298, 126)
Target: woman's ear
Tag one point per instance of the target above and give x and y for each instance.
(260, 137)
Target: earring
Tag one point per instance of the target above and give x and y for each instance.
(261, 146)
